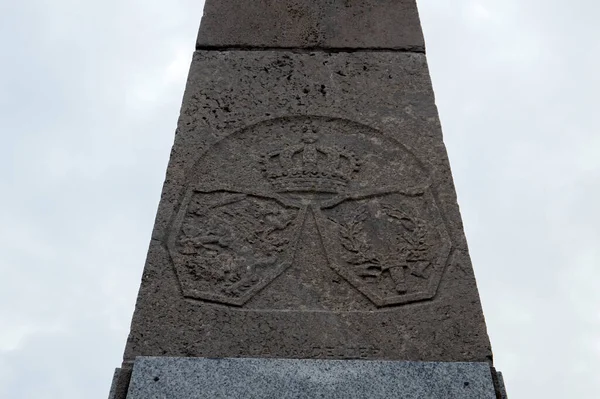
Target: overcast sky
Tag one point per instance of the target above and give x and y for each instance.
(89, 98)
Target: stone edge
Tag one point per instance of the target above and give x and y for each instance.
(120, 383)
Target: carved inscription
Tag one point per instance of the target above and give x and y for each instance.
(345, 352)
(379, 227)
(318, 352)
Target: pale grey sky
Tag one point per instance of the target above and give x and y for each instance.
(89, 98)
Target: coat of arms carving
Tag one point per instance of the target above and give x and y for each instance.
(376, 215)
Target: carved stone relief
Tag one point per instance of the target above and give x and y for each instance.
(242, 217)
(229, 245)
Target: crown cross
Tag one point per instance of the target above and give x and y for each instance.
(307, 166)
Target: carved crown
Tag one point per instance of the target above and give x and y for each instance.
(307, 166)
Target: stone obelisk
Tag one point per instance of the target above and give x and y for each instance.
(308, 241)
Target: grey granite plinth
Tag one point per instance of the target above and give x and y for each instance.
(185, 378)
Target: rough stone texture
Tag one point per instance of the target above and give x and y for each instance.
(120, 382)
(354, 24)
(309, 212)
(307, 379)
(113, 387)
(501, 386)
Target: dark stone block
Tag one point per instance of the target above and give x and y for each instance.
(309, 212)
(343, 24)
(120, 382)
(113, 386)
(501, 387)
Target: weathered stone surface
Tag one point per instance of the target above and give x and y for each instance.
(355, 24)
(309, 212)
(113, 386)
(179, 378)
(120, 382)
(501, 387)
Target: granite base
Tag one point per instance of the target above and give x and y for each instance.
(199, 378)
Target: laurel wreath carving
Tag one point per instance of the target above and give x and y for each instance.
(410, 247)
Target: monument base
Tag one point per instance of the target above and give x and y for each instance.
(198, 378)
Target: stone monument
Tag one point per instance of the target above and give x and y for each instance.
(308, 242)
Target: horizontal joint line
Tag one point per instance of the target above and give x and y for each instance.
(415, 49)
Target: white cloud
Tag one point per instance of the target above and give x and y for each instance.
(477, 12)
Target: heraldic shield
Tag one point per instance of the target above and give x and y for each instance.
(240, 222)
(230, 245)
